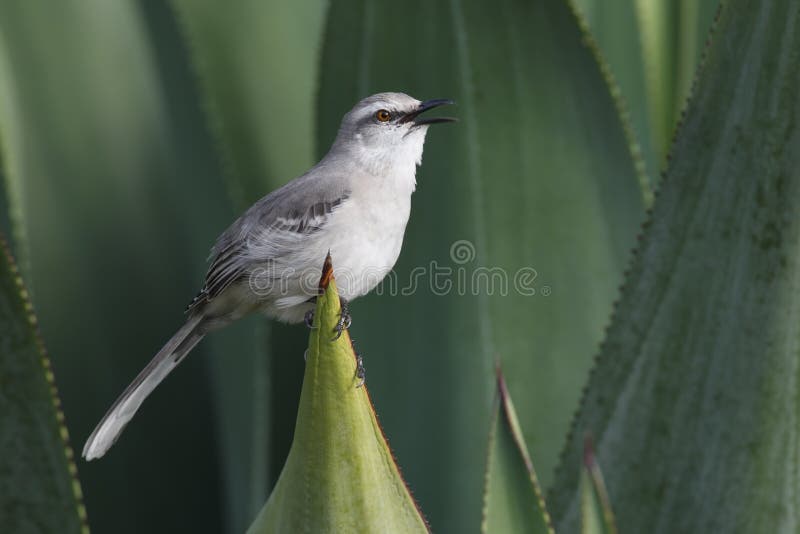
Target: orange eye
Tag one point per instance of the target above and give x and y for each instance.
(383, 115)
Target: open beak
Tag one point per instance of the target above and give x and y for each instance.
(425, 106)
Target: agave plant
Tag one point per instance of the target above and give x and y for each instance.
(132, 132)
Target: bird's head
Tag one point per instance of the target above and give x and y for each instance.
(387, 130)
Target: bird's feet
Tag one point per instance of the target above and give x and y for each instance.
(361, 373)
(344, 321)
(308, 318)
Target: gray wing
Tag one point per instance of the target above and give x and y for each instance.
(298, 209)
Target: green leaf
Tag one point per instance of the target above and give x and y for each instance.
(512, 500)
(671, 34)
(694, 398)
(614, 25)
(117, 196)
(340, 475)
(657, 22)
(536, 180)
(259, 98)
(653, 48)
(39, 491)
(12, 186)
(596, 514)
(694, 29)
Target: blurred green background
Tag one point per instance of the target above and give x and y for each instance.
(132, 133)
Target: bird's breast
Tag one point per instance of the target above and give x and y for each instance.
(366, 239)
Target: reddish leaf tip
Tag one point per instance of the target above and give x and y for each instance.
(501, 382)
(327, 273)
(588, 450)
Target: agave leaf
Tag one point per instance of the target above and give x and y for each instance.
(259, 98)
(512, 499)
(657, 20)
(653, 49)
(694, 28)
(596, 514)
(340, 475)
(615, 27)
(39, 491)
(537, 180)
(117, 197)
(672, 36)
(693, 400)
(11, 189)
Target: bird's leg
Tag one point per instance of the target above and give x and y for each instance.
(344, 319)
(361, 373)
(308, 318)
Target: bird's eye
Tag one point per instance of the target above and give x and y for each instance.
(383, 115)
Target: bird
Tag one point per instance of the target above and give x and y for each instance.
(354, 204)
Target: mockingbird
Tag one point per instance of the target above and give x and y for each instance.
(354, 204)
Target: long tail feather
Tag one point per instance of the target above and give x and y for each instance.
(124, 408)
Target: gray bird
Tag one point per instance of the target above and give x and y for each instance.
(354, 203)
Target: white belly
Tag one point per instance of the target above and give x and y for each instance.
(364, 243)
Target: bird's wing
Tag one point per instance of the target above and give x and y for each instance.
(273, 227)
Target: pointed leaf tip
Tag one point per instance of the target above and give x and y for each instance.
(340, 475)
(597, 517)
(512, 499)
(327, 273)
(588, 451)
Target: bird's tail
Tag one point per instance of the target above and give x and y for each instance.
(123, 409)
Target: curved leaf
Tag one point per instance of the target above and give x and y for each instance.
(694, 398)
(672, 36)
(340, 475)
(512, 500)
(11, 189)
(653, 49)
(536, 181)
(118, 196)
(258, 98)
(39, 488)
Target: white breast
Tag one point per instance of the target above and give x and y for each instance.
(366, 235)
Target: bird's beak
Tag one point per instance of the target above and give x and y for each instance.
(425, 106)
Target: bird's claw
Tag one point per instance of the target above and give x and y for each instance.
(344, 321)
(342, 325)
(308, 318)
(361, 373)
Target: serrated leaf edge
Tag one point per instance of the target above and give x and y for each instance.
(562, 463)
(620, 104)
(47, 367)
